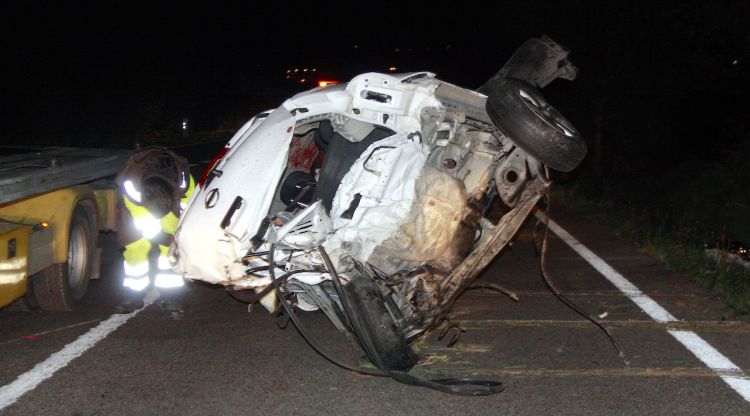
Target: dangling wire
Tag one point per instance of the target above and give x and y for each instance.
(298, 324)
(458, 386)
(556, 291)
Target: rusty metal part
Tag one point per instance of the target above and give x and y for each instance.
(501, 235)
(456, 334)
(422, 289)
(510, 176)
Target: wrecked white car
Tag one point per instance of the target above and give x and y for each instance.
(368, 200)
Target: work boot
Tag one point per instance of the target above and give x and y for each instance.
(129, 306)
(172, 308)
(132, 302)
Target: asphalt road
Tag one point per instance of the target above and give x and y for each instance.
(222, 359)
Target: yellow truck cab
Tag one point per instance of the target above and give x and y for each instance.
(53, 203)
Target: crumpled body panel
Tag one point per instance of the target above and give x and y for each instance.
(223, 214)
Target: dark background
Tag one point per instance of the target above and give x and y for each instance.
(659, 96)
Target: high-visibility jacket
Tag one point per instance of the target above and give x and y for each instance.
(138, 228)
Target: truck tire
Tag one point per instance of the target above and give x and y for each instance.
(62, 286)
(519, 109)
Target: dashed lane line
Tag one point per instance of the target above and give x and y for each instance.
(513, 371)
(29, 380)
(713, 326)
(712, 358)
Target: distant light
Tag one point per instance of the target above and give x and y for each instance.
(314, 69)
(355, 46)
(735, 62)
(296, 70)
(302, 81)
(44, 224)
(304, 70)
(288, 77)
(392, 68)
(184, 124)
(288, 71)
(325, 83)
(397, 50)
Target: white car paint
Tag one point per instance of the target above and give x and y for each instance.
(208, 251)
(387, 193)
(256, 161)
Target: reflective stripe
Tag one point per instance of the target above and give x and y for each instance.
(136, 283)
(164, 264)
(136, 270)
(148, 226)
(167, 280)
(132, 191)
(142, 219)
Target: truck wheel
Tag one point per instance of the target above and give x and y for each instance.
(62, 286)
(519, 109)
(379, 324)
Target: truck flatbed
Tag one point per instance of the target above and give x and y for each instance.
(29, 171)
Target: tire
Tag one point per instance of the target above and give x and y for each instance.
(519, 109)
(29, 299)
(62, 286)
(368, 303)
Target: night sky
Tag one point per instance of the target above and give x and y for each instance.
(659, 75)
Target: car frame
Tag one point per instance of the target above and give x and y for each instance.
(368, 200)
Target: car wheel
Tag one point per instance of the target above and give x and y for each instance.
(62, 286)
(519, 109)
(368, 301)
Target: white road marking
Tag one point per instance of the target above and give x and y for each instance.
(713, 359)
(29, 380)
(648, 305)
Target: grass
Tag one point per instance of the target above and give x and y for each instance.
(675, 239)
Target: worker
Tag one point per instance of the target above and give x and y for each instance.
(155, 184)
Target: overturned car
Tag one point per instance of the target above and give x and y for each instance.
(369, 200)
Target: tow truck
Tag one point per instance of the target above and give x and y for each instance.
(53, 203)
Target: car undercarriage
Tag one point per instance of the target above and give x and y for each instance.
(369, 201)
